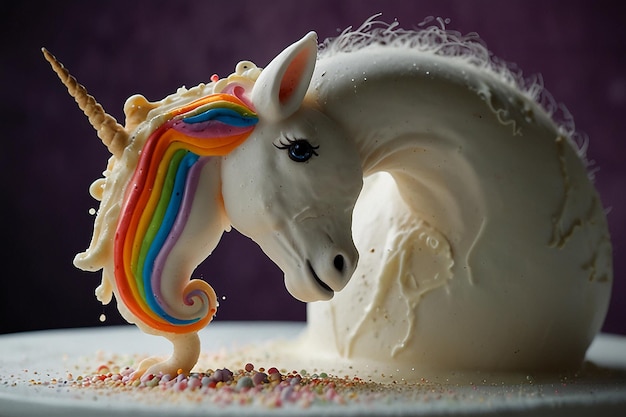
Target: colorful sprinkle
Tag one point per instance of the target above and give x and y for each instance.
(267, 387)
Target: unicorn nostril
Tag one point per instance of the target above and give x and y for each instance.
(339, 263)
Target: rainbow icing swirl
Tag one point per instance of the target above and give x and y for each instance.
(159, 199)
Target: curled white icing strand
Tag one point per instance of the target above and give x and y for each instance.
(433, 38)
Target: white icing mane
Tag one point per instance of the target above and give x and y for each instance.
(435, 38)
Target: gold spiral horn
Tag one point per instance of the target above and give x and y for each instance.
(112, 134)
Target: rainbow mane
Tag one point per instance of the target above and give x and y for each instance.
(158, 202)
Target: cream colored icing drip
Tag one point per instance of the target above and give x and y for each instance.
(574, 217)
(415, 259)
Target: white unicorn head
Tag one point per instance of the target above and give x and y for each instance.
(277, 184)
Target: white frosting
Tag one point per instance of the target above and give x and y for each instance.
(298, 212)
(486, 248)
(483, 244)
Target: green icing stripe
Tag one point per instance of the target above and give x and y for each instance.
(157, 216)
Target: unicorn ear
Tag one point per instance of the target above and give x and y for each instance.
(280, 89)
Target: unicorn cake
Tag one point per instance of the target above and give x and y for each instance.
(413, 190)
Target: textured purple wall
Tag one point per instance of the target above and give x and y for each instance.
(119, 48)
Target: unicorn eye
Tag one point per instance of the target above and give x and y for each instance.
(299, 150)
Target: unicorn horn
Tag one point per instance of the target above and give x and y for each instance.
(112, 134)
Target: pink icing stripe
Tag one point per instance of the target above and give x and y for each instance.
(239, 92)
(191, 185)
(210, 130)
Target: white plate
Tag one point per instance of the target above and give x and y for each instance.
(35, 380)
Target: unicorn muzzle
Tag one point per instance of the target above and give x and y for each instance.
(331, 272)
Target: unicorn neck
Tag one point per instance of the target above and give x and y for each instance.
(437, 125)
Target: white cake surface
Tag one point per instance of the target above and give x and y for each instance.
(39, 373)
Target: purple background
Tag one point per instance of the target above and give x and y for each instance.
(50, 154)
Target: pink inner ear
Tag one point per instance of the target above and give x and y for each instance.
(292, 76)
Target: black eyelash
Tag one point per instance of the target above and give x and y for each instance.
(299, 150)
(290, 141)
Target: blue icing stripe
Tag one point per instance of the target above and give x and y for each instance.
(227, 116)
(169, 218)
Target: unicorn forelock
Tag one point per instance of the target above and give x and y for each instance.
(245, 75)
